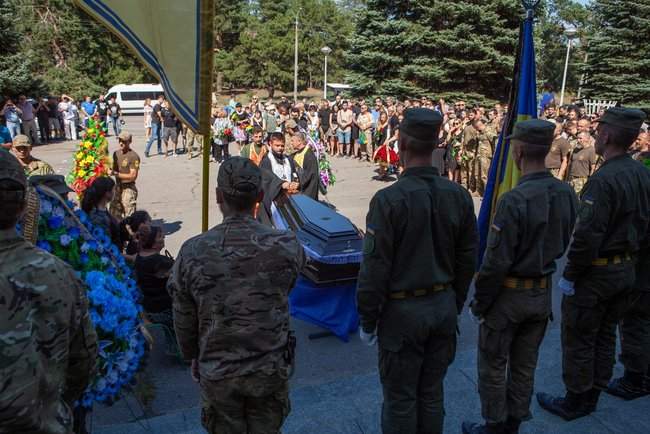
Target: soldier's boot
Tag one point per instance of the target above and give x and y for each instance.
(488, 428)
(511, 426)
(630, 386)
(591, 399)
(572, 406)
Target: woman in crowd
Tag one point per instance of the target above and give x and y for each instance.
(95, 203)
(151, 272)
(148, 110)
(335, 147)
(381, 131)
(313, 122)
(364, 122)
(220, 140)
(258, 120)
(130, 226)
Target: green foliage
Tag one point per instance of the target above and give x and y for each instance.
(618, 64)
(452, 49)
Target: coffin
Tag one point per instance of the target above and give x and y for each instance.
(332, 243)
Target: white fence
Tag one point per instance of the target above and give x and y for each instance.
(594, 106)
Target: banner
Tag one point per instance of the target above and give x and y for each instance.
(504, 175)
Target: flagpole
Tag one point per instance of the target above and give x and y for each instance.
(205, 109)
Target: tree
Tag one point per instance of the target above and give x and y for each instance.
(452, 49)
(618, 65)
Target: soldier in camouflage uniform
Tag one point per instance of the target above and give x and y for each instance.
(531, 230)
(599, 278)
(48, 345)
(468, 147)
(484, 153)
(230, 290)
(419, 257)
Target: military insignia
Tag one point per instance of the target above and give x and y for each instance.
(586, 209)
(125, 163)
(494, 237)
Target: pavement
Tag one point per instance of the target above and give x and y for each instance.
(335, 388)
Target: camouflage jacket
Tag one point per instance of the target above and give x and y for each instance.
(48, 346)
(230, 289)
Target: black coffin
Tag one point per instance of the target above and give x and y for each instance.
(332, 243)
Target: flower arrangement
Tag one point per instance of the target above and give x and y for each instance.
(325, 168)
(91, 159)
(112, 294)
(225, 134)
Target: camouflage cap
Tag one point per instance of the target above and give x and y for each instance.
(534, 132)
(21, 140)
(239, 177)
(125, 136)
(626, 118)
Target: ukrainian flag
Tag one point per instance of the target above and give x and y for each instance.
(504, 175)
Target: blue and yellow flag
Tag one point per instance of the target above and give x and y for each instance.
(174, 39)
(504, 175)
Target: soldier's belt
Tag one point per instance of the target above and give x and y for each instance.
(401, 295)
(523, 283)
(616, 259)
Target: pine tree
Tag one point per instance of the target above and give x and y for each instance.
(452, 49)
(618, 66)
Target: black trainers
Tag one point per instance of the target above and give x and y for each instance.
(629, 386)
(572, 406)
(477, 428)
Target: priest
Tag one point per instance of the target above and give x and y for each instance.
(279, 175)
(306, 166)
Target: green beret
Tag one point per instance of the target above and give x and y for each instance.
(626, 118)
(239, 177)
(534, 132)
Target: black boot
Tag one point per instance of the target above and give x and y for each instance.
(511, 426)
(572, 406)
(630, 386)
(488, 428)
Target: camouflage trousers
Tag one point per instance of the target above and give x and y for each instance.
(467, 172)
(124, 202)
(635, 326)
(555, 172)
(589, 319)
(508, 348)
(578, 184)
(251, 404)
(417, 343)
(481, 170)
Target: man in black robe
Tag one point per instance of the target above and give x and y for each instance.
(279, 176)
(306, 166)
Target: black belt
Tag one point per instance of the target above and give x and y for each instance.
(401, 295)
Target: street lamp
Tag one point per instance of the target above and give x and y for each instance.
(570, 33)
(326, 51)
(295, 62)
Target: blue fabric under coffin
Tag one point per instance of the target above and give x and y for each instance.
(332, 307)
(344, 258)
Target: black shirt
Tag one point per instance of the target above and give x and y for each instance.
(151, 273)
(102, 107)
(155, 119)
(169, 118)
(114, 110)
(324, 115)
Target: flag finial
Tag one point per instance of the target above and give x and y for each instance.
(530, 6)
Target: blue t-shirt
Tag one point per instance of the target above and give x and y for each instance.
(5, 136)
(89, 107)
(11, 115)
(546, 100)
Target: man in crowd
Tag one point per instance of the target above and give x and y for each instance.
(599, 279)
(279, 172)
(43, 117)
(559, 153)
(156, 130)
(126, 166)
(306, 166)
(531, 230)
(255, 151)
(49, 345)
(581, 162)
(27, 116)
(54, 119)
(345, 118)
(67, 111)
(484, 153)
(419, 256)
(32, 166)
(468, 148)
(88, 109)
(115, 114)
(102, 111)
(238, 275)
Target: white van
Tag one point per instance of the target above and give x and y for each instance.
(131, 97)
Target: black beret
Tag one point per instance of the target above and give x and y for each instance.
(626, 118)
(239, 177)
(422, 124)
(534, 131)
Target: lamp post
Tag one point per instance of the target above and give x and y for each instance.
(295, 62)
(326, 51)
(570, 34)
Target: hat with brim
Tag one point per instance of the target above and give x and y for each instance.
(55, 182)
(125, 137)
(625, 118)
(534, 132)
(21, 140)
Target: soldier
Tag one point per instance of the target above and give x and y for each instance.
(126, 166)
(468, 147)
(598, 281)
(255, 151)
(484, 153)
(49, 345)
(419, 256)
(581, 162)
(237, 277)
(531, 230)
(32, 166)
(558, 155)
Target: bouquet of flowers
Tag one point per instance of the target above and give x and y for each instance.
(225, 135)
(112, 294)
(91, 159)
(326, 175)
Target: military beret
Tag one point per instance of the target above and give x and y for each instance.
(55, 182)
(239, 177)
(421, 124)
(626, 118)
(534, 132)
